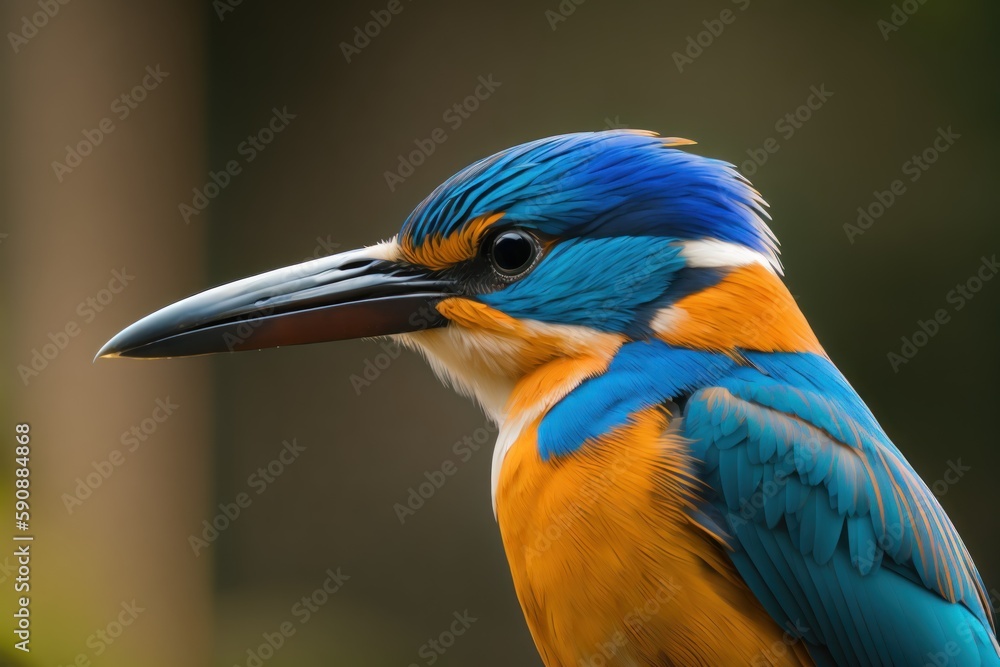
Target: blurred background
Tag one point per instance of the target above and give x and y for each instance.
(120, 121)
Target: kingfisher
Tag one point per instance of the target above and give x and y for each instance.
(682, 476)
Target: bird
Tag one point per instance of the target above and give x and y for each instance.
(681, 476)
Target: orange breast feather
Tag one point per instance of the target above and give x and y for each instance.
(608, 568)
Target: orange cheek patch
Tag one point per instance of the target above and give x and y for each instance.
(476, 315)
(537, 343)
(750, 309)
(440, 252)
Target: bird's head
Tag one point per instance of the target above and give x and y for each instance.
(559, 249)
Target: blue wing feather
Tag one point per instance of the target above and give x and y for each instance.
(827, 523)
(832, 463)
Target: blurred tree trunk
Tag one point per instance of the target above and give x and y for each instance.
(106, 229)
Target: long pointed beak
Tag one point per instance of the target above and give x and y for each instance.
(349, 295)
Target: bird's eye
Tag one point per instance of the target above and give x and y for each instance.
(513, 252)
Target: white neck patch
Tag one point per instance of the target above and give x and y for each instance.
(713, 253)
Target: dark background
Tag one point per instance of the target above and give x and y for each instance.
(320, 187)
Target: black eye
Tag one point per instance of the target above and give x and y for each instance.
(513, 252)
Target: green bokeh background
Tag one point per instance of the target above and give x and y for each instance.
(321, 184)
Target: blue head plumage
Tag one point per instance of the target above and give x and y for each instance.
(601, 184)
